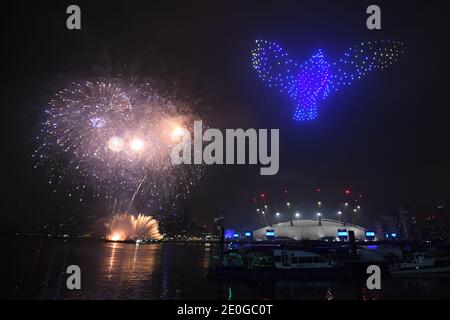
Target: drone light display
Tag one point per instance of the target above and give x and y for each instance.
(306, 83)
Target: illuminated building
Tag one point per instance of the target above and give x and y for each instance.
(308, 229)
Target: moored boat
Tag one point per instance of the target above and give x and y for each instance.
(299, 259)
(420, 263)
(268, 262)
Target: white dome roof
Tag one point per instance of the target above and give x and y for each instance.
(308, 229)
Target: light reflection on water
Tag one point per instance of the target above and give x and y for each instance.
(35, 269)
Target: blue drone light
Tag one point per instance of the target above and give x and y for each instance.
(317, 78)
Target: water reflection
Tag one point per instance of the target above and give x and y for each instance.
(111, 261)
(36, 269)
(128, 271)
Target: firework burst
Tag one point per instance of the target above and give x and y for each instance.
(112, 139)
(129, 227)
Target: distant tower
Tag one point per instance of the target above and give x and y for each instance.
(217, 224)
(443, 216)
(407, 223)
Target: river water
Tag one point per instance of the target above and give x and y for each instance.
(35, 268)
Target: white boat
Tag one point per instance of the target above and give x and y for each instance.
(298, 259)
(421, 263)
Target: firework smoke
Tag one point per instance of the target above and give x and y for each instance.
(128, 227)
(112, 139)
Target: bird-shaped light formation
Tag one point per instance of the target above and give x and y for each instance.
(316, 78)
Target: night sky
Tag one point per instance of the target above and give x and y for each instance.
(386, 137)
